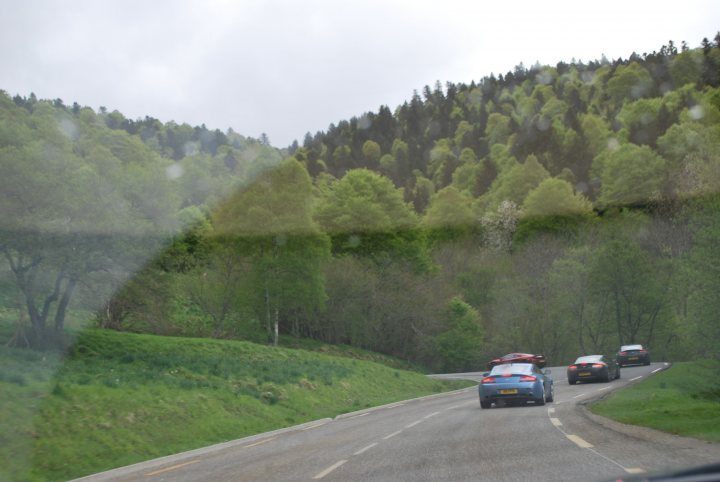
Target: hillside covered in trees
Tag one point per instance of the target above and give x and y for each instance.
(562, 210)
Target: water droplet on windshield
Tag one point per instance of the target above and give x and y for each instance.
(174, 171)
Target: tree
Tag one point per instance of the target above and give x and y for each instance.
(371, 154)
(366, 216)
(634, 286)
(555, 197)
(630, 81)
(459, 344)
(687, 68)
(271, 223)
(630, 175)
(450, 215)
(515, 183)
(73, 202)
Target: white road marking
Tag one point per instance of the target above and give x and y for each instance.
(365, 449)
(329, 469)
(579, 442)
(392, 435)
(264, 441)
(315, 426)
(578, 396)
(394, 405)
(634, 470)
(636, 378)
(358, 416)
(433, 414)
(582, 443)
(666, 364)
(461, 405)
(168, 469)
(656, 370)
(604, 388)
(411, 425)
(551, 410)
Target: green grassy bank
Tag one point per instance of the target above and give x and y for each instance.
(120, 398)
(683, 400)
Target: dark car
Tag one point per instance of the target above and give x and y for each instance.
(538, 360)
(516, 382)
(593, 368)
(633, 355)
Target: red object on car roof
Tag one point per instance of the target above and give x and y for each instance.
(538, 360)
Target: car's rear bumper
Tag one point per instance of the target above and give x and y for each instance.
(594, 374)
(633, 360)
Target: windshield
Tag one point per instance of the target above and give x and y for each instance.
(286, 240)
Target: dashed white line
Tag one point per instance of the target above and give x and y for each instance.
(329, 469)
(431, 414)
(636, 378)
(365, 449)
(556, 421)
(634, 470)
(460, 405)
(551, 410)
(392, 435)
(578, 396)
(604, 388)
(411, 425)
(579, 442)
(656, 370)
(394, 405)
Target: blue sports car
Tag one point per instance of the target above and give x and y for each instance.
(516, 382)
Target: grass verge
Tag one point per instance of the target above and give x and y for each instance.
(683, 400)
(120, 398)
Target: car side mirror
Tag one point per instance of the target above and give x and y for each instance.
(486, 374)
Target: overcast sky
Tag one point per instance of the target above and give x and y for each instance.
(289, 67)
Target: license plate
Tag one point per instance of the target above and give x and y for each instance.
(584, 374)
(508, 391)
(633, 358)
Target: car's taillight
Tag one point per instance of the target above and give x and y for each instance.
(507, 374)
(598, 365)
(572, 367)
(622, 353)
(642, 351)
(527, 378)
(488, 380)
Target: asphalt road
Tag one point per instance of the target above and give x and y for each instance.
(441, 438)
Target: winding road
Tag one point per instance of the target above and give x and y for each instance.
(444, 437)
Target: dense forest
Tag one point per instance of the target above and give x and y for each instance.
(563, 210)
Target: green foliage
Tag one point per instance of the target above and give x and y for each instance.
(121, 398)
(271, 223)
(681, 400)
(630, 81)
(630, 175)
(450, 214)
(555, 197)
(515, 184)
(460, 343)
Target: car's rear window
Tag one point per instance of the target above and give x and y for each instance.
(514, 368)
(631, 347)
(588, 359)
